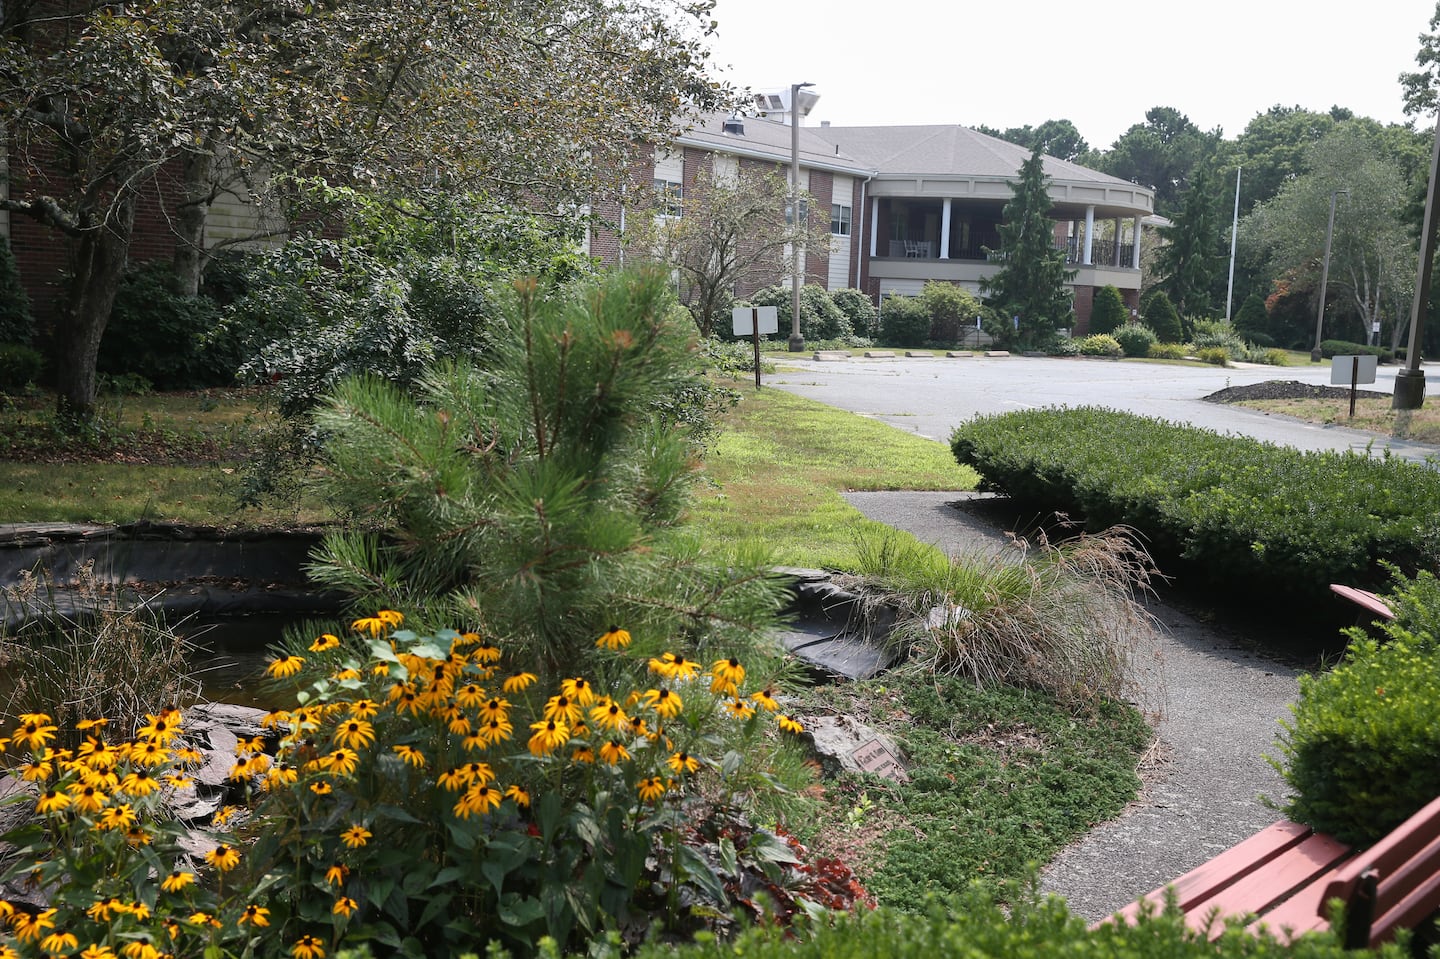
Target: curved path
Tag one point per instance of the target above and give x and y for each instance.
(1218, 703)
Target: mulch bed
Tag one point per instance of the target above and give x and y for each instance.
(1288, 390)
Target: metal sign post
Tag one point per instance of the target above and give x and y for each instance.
(1353, 369)
(751, 321)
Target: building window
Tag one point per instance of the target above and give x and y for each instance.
(670, 194)
(839, 219)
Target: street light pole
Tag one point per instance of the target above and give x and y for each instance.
(1410, 382)
(1325, 277)
(797, 341)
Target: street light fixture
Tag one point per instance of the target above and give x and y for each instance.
(1325, 277)
(797, 341)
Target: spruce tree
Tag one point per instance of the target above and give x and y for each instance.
(1192, 261)
(1161, 316)
(1030, 284)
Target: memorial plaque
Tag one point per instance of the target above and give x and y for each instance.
(876, 758)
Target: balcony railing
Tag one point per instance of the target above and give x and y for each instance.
(928, 250)
(1102, 252)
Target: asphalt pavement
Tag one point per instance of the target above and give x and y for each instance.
(930, 397)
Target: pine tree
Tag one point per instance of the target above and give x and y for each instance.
(1193, 259)
(1161, 316)
(1030, 283)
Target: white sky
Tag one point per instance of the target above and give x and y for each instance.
(1099, 63)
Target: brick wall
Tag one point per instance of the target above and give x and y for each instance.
(822, 193)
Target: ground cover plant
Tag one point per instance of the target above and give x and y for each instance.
(1250, 515)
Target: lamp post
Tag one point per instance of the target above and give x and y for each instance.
(1410, 382)
(1325, 277)
(797, 341)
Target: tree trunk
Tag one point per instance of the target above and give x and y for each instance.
(189, 258)
(99, 263)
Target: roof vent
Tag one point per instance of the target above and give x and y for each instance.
(734, 126)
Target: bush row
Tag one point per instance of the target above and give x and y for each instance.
(1246, 513)
(1333, 348)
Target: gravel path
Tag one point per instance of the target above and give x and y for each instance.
(1218, 704)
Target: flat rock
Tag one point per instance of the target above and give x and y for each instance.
(997, 352)
(959, 354)
(919, 354)
(842, 742)
(878, 354)
(831, 356)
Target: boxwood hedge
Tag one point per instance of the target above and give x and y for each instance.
(1243, 513)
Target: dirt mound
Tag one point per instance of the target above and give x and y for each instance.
(1286, 390)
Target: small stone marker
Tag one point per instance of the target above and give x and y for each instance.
(878, 354)
(919, 354)
(826, 356)
(876, 758)
(956, 354)
(997, 352)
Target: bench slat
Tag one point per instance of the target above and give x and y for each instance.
(1262, 888)
(1409, 895)
(1301, 913)
(1389, 853)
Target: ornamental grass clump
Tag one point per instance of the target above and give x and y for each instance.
(1062, 617)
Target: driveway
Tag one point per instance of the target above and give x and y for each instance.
(930, 397)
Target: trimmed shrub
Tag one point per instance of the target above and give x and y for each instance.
(169, 339)
(1360, 752)
(17, 325)
(951, 310)
(856, 305)
(1252, 321)
(1245, 514)
(1135, 339)
(820, 318)
(1108, 313)
(20, 366)
(1215, 355)
(904, 321)
(1162, 317)
(1166, 351)
(1333, 348)
(1101, 344)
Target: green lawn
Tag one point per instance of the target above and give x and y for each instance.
(781, 463)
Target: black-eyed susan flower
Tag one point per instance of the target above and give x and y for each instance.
(613, 638)
(549, 736)
(102, 910)
(308, 947)
(34, 731)
(141, 948)
(337, 874)
(495, 707)
(608, 714)
(614, 752)
(470, 696)
(321, 788)
(177, 781)
(138, 837)
(148, 753)
(355, 734)
(583, 754)
(96, 950)
(87, 798)
(726, 675)
(765, 699)
(223, 857)
(51, 801)
(666, 702)
(160, 729)
(495, 730)
(97, 722)
(324, 643)
(177, 880)
(478, 800)
(683, 762)
(120, 817)
(519, 682)
(31, 926)
(579, 689)
(520, 796)
(341, 762)
(374, 625)
(562, 709)
(363, 709)
(97, 754)
(202, 918)
(356, 836)
(675, 666)
(139, 783)
(651, 789)
(344, 906)
(59, 942)
(255, 915)
(739, 709)
(39, 768)
(789, 723)
(285, 666)
(410, 755)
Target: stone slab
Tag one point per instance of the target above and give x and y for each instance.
(919, 354)
(997, 352)
(959, 354)
(879, 354)
(831, 356)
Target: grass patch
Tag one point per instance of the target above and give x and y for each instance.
(1373, 415)
(1000, 779)
(781, 462)
(176, 457)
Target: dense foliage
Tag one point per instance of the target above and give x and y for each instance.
(952, 310)
(820, 318)
(1108, 312)
(904, 321)
(1160, 315)
(856, 305)
(17, 325)
(1135, 338)
(1243, 513)
(1101, 344)
(1360, 751)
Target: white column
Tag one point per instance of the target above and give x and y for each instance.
(1089, 233)
(945, 230)
(874, 222)
(1135, 253)
(1115, 253)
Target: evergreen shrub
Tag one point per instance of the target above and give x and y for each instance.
(1333, 348)
(904, 321)
(1107, 313)
(167, 338)
(820, 318)
(1136, 339)
(951, 308)
(17, 325)
(1166, 351)
(857, 306)
(1161, 316)
(1101, 344)
(1247, 514)
(20, 366)
(1360, 752)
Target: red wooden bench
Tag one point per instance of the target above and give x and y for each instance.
(1287, 874)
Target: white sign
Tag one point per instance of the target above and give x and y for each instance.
(1344, 371)
(769, 319)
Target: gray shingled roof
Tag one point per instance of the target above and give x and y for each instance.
(772, 138)
(945, 150)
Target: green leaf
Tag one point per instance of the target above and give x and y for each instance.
(693, 868)
(768, 847)
(519, 912)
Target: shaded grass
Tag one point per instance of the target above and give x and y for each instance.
(779, 467)
(1373, 415)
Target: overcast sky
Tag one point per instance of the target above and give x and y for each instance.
(1099, 64)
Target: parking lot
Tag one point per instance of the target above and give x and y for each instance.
(930, 397)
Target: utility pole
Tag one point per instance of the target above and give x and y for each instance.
(797, 341)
